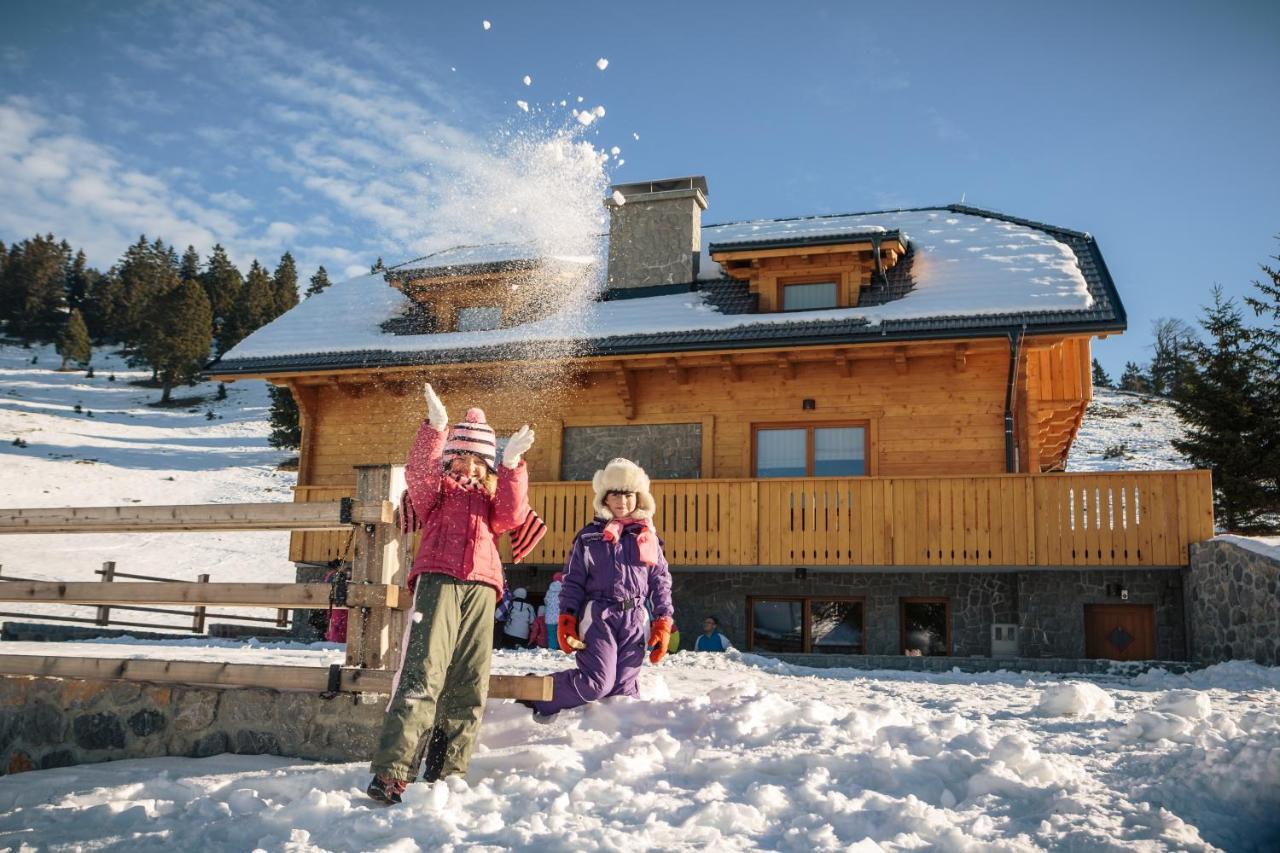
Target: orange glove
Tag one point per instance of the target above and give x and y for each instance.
(567, 634)
(659, 638)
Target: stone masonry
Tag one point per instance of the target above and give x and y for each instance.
(53, 722)
(1233, 597)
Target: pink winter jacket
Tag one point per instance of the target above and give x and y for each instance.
(460, 527)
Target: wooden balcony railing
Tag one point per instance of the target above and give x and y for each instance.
(1108, 519)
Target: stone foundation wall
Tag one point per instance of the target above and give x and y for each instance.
(53, 722)
(1234, 604)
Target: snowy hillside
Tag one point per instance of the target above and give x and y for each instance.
(737, 752)
(1122, 431)
(118, 450)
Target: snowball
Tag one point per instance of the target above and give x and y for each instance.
(619, 199)
(599, 111)
(585, 118)
(528, 81)
(602, 63)
(524, 105)
(1075, 699)
(486, 24)
(1191, 704)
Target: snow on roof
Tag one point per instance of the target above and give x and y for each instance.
(963, 266)
(492, 253)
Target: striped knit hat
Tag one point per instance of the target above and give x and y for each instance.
(473, 436)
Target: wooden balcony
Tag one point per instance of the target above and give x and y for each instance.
(1146, 518)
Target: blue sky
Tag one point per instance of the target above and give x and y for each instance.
(321, 127)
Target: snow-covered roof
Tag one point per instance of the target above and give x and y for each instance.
(968, 272)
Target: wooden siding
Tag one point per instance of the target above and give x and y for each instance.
(1112, 519)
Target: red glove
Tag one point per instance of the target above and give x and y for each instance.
(567, 634)
(659, 638)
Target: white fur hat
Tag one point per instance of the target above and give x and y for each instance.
(623, 475)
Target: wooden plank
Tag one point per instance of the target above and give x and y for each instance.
(273, 595)
(266, 676)
(160, 519)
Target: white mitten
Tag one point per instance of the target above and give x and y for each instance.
(436, 415)
(517, 446)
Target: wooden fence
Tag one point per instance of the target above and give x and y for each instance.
(375, 594)
(1129, 518)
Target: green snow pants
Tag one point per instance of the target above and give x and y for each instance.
(444, 678)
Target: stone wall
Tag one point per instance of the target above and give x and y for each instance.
(1051, 608)
(664, 451)
(1233, 597)
(53, 722)
(1046, 604)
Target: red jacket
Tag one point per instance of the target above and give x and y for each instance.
(460, 527)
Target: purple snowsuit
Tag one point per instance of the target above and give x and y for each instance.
(605, 585)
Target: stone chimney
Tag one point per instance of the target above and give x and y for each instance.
(655, 231)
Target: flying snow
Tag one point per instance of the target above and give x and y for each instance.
(602, 63)
(486, 24)
(528, 81)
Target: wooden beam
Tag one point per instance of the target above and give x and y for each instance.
(844, 363)
(355, 390)
(678, 371)
(311, 679)
(730, 368)
(308, 406)
(787, 365)
(306, 596)
(900, 360)
(322, 515)
(627, 389)
(961, 357)
(804, 251)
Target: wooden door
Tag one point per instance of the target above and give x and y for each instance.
(1120, 631)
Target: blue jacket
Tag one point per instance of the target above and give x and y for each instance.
(717, 642)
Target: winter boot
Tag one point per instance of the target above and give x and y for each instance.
(386, 790)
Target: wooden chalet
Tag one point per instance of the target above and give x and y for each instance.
(857, 425)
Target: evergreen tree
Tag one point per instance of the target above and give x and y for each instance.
(222, 284)
(34, 297)
(80, 279)
(1134, 379)
(1100, 377)
(1266, 305)
(1171, 342)
(147, 271)
(255, 308)
(73, 343)
(285, 284)
(377, 267)
(179, 333)
(286, 433)
(102, 305)
(1218, 401)
(189, 266)
(319, 282)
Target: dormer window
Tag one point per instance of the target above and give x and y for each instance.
(810, 273)
(479, 319)
(810, 295)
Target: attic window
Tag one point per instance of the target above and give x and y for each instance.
(479, 319)
(810, 296)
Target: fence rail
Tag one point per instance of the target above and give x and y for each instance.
(1130, 518)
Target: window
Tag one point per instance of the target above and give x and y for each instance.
(806, 625)
(479, 319)
(665, 451)
(925, 625)
(810, 296)
(825, 451)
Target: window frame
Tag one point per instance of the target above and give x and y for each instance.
(810, 443)
(835, 280)
(902, 621)
(806, 620)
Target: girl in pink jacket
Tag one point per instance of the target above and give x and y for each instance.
(466, 500)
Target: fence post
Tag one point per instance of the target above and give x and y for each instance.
(373, 633)
(108, 574)
(197, 616)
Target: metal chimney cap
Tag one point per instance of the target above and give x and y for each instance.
(662, 185)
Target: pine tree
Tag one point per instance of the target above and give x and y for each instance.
(189, 266)
(179, 333)
(1217, 399)
(286, 433)
(80, 279)
(1171, 341)
(1134, 379)
(377, 267)
(73, 343)
(103, 305)
(222, 284)
(319, 282)
(255, 307)
(35, 288)
(147, 271)
(285, 284)
(1100, 377)
(1266, 306)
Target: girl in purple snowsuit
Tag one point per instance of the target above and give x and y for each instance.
(615, 565)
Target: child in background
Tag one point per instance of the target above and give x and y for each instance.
(465, 500)
(616, 563)
(551, 609)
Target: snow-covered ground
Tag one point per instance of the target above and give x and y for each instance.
(131, 452)
(737, 752)
(1123, 431)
